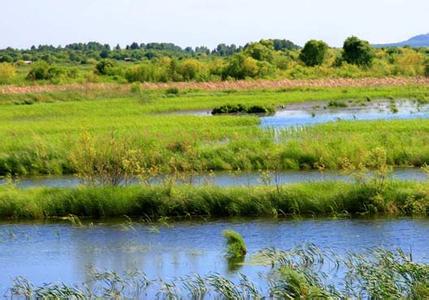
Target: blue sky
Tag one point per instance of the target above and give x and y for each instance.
(208, 22)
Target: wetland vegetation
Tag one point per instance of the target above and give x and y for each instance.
(112, 117)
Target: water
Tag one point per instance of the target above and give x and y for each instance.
(230, 179)
(61, 253)
(303, 114)
(312, 113)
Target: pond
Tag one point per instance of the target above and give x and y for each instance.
(62, 253)
(229, 179)
(318, 113)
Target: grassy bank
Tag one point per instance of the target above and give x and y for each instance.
(41, 138)
(308, 199)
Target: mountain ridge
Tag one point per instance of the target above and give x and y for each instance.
(421, 40)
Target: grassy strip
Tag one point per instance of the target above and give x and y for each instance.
(308, 199)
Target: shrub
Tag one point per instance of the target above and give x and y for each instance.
(39, 71)
(43, 71)
(427, 68)
(172, 91)
(148, 72)
(105, 67)
(191, 69)
(7, 72)
(357, 52)
(313, 53)
(240, 108)
(240, 67)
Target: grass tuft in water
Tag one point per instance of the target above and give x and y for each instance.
(236, 247)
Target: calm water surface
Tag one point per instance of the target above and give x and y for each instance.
(60, 252)
(231, 179)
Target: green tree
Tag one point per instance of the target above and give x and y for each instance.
(313, 53)
(105, 67)
(357, 52)
(259, 51)
(241, 66)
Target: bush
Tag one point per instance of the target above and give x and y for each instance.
(43, 71)
(240, 108)
(39, 71)
(147, 72)
(427, 69)
(172, 91)
(357, 52)
(7, 73)
(313, 53)
(105, 67)
(191, 69)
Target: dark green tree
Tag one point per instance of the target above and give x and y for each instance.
(357, 52)
(313, 53)
(104, 67)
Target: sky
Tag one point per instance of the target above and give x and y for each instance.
(208, 22)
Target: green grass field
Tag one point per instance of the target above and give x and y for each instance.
(40, 138)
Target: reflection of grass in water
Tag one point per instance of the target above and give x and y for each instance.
(294, 274)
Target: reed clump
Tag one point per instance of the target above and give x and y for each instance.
(236, 247)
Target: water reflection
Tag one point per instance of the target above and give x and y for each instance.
(231, 179)
(60, 252)
(302, 114)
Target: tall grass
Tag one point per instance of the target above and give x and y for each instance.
(236, 247)
(308, 199)
(40, 138)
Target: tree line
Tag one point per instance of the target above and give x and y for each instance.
(162, 62)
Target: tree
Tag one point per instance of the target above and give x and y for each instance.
(104, 53)
(313, 53)
(259, 51)
(357, 52)
(105, 67)
(241, 66)
(134, 46)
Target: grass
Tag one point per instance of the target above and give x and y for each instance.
(39, 138)
(236, 247)
(307, 199)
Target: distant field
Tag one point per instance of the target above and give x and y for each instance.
(41, 137)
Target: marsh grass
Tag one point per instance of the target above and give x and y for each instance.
(48, 137)
(235, 249)
(167, 203)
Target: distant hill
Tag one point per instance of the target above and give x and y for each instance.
(417, 41)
